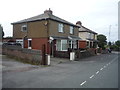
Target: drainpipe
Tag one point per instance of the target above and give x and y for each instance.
(47, 29)
(48, 43)
(26, 34)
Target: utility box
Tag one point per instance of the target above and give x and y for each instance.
(48, 59)
(72, 56)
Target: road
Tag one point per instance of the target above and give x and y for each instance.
(99, 71)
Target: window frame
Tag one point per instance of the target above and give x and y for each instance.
(71, 30)
(73, 44)
(60, 28)
(22, 28)
(21, 41)
(61, 45)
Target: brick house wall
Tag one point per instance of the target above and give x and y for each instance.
(82, 44)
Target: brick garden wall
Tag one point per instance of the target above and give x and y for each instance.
(27, 55)
(85, 53)
(61, 54)
(78, 53)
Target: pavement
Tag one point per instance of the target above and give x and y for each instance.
(55, 61)
(11, 65)
(99, 71)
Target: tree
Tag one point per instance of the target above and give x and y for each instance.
(109, 43)
(102, 41)
(1, 32)
(117, 43)
(115, 46)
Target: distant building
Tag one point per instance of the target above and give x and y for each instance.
(0, 32)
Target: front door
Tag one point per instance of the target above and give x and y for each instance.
(29, 43)
(51, 48)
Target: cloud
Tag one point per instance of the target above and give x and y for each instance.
(94, 14)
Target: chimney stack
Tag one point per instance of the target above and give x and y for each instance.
(48, 11)
(79, 23)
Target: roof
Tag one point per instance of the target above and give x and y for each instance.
(73, 38)
(45, 16)
(92, 40)
(87, 30)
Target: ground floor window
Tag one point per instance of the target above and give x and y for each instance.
(88, 44)
(20, 41)
(73, 44)
(61, 45)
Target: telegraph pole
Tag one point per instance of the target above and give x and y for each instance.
(109, 32)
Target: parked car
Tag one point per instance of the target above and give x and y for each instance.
(12, 43)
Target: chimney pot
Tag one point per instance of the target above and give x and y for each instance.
(79, 23)
(48, 11)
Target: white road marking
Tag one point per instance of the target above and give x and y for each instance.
(97, 72)
(101, 69)
(83, 83)
(104, 66)
(113, 60)
(92, 76)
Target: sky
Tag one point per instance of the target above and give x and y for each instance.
(100, 16)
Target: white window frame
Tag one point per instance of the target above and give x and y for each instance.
(60, 27)
(61, 49)
(22, 28)
(70, 43)
(20, 41)
(73, 44)
(29, 47)
(62, 44)
(92, 36)
(89, 35)
(88, 45)
(71, 29)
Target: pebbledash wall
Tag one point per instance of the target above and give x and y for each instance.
(27, 55)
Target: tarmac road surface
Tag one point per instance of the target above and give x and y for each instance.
(99, 71)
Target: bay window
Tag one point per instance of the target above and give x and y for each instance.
(72, 44)
(62, 45)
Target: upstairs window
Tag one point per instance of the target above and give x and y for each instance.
(24, 28)
(89, 36)
(71, 29)
(60, 27)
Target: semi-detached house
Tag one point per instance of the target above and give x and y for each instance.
(89, 37)
(58, 35)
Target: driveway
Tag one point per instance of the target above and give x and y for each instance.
(10, 65)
